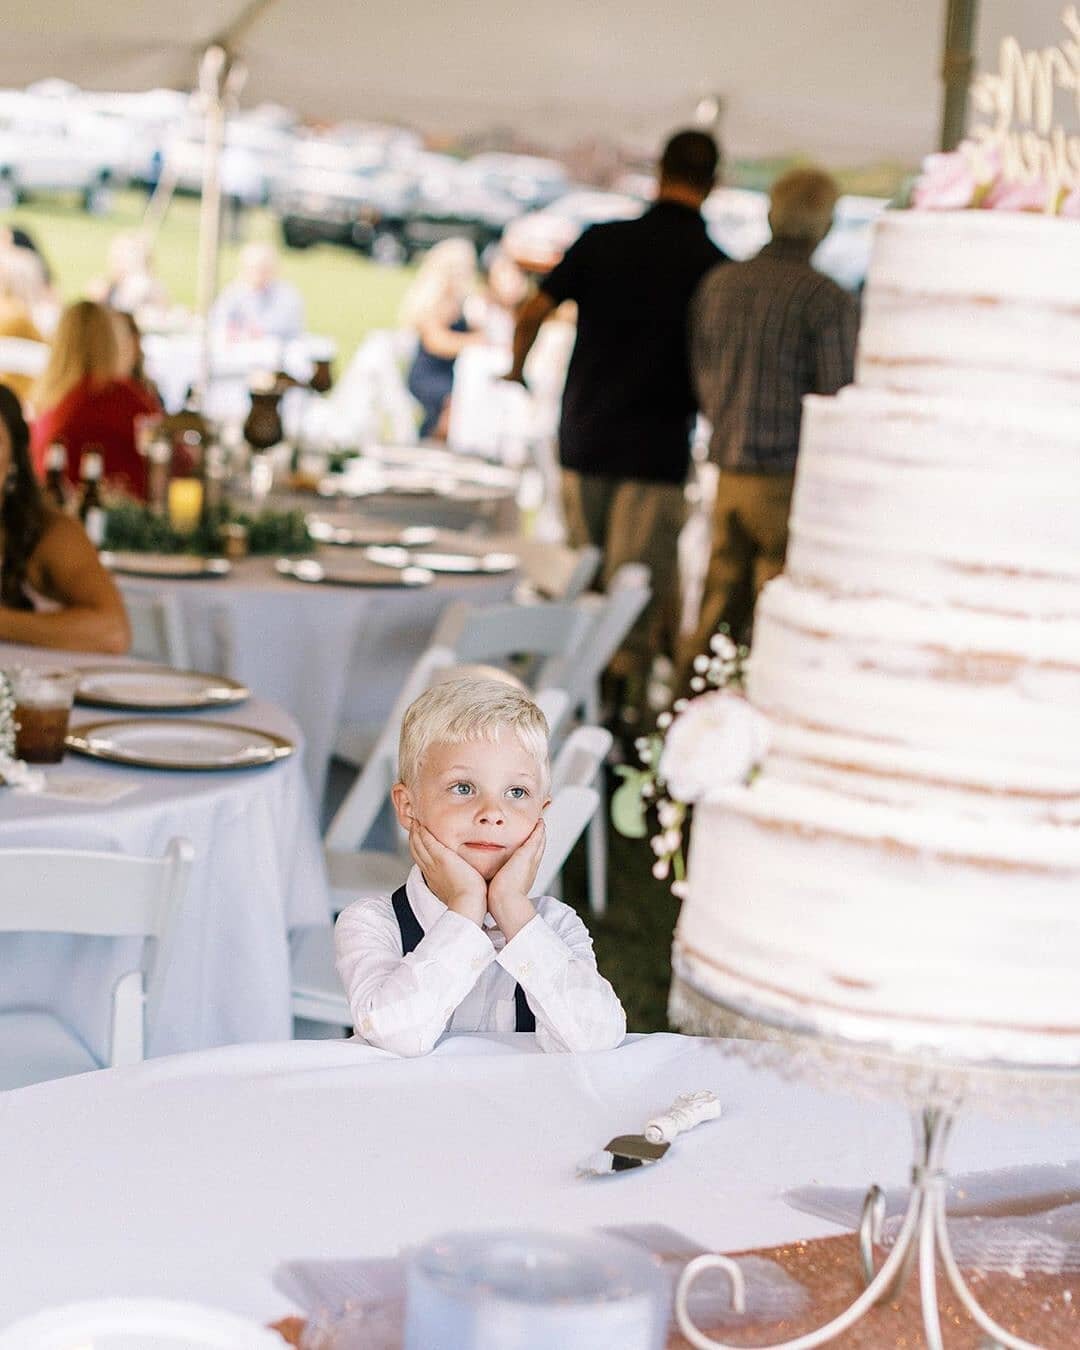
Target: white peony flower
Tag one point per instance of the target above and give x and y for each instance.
(17, 773)
(719, 738)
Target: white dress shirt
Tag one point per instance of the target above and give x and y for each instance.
(461, 977)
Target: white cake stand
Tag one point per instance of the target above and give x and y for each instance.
(923, 1235)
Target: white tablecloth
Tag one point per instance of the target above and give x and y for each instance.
(172, 362)
(258, 873)
(195, 1177)
(326, 653)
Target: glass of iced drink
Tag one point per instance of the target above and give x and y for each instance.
(43, 701)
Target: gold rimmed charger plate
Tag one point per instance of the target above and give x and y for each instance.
(352, 572)
(355, 535)
(462, 564)
(156, 689)
(166, 566)
(188, 744)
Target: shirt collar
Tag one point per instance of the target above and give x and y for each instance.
(787, 250)
(426, 905)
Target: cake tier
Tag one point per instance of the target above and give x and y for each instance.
(986, 701)
(906, 929)
(939, 502)
(983, 303)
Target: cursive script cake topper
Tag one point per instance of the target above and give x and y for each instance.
(1022, 142)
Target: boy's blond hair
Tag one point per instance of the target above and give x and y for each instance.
(455, 711)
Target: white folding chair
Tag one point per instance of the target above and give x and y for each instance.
(157, 627)
(317, 995)
(555, 571)
(89, 894)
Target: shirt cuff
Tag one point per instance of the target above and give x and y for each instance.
(455, 940)
(533, 954)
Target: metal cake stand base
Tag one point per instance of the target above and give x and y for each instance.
(923, 1235)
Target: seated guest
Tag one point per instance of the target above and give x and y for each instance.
(83, 400)
(460, 946)
(131, 363)
(258, 303)
(434, 308)
(129, 283)
(17, 285)
(53, 590)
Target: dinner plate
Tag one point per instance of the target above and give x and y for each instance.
(157, 689)
(462, 563)
(166, 566)
(178, 743)
(137, 1324)
(352, 572)
(362, 535)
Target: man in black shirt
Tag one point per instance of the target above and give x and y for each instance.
(628, 407)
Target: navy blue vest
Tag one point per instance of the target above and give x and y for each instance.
(412, 935)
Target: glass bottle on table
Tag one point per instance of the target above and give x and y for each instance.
(56, 464)
(159, 455)
(91, 502)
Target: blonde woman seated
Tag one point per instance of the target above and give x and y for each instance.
(53, 590)
(83, 400)
(434, 308)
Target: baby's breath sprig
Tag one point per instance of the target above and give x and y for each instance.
(7, 717)
(643, 790)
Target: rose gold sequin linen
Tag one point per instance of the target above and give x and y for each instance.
(1044, 1309)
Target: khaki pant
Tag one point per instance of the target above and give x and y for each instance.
(750, 530)
(632, 521)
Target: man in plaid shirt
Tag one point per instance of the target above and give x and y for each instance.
(762, 334)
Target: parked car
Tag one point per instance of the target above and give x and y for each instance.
(51, 144)
(391, 214)
(253, 152)
(530, 181)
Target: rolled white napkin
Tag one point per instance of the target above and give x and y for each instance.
(686, 1111)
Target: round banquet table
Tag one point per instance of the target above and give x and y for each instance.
(326, 653)
(198, 1176)
(258, 873)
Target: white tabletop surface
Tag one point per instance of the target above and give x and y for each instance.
(326, 653)
(258, 873)
(196, 1176)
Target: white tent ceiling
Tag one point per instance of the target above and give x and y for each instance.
(842, 80)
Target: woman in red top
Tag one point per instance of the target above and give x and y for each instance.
(83, 401)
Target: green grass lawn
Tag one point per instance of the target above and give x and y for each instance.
(346, 295)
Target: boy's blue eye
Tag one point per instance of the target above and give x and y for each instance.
(461, 789)
(518, 793)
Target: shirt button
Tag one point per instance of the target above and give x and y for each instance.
(524, 970)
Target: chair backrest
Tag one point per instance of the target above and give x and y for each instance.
(157, 627)
(493, 633)
(611, 616)
(555, 705)
(364, 800)
(570, 811)
(102, 895)
(554, 571)
(579, 759)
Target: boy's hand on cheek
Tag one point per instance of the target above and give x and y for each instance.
(457, 883)
(508, 890)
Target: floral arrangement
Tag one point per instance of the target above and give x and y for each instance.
(133, 528)
(7, 718)
(714, 738)
(973, 177)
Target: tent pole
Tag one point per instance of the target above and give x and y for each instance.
(961, 17)
(220, 82)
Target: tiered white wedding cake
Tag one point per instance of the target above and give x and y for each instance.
(904, 870)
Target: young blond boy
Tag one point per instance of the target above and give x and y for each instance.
(461, 946)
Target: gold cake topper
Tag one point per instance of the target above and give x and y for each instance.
(1023, 143)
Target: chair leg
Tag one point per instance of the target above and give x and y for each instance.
(596, 857)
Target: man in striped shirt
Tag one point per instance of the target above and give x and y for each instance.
(762, 334)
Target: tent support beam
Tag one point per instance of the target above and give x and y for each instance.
(961, 17)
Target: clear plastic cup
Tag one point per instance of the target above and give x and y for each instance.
(43, 700)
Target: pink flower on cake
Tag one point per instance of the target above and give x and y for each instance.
(947, 183)
(1016, 196)
(719, 738)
